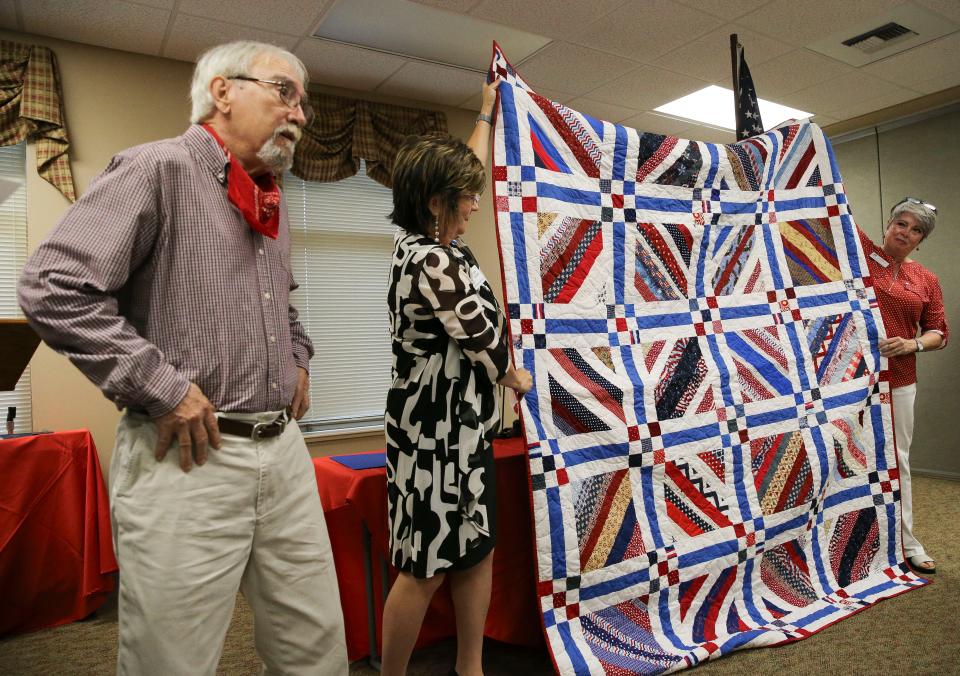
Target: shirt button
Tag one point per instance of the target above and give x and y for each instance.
(273, 385)
(260, 251)
(267, 296)
(273, 339)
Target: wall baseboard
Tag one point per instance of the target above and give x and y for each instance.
(935, 473)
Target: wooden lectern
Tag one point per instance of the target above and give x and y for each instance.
(17, 344)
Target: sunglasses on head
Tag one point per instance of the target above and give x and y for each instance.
(914, 200)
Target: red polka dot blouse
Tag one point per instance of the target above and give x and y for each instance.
(909, 297)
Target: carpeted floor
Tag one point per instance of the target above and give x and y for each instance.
(917, 633)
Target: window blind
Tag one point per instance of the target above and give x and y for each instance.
(341, 245)
(13, 254)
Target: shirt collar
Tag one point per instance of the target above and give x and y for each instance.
(207, 151)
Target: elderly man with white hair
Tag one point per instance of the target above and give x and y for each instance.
(168, 285)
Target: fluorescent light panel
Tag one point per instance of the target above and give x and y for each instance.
(713, 105)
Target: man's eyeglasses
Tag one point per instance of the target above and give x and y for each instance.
(914, 200)
(288, 93)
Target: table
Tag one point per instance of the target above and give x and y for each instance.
(357, 499)
(56, 553)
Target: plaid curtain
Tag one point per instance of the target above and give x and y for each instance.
(31, 106)
(344, 131)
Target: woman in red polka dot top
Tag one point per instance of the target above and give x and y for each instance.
(911, 305)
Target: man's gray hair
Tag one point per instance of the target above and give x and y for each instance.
(228, 60)
(926, 217)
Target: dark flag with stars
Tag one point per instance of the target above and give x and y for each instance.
(747, 109)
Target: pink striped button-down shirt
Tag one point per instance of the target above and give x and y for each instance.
(153, 280)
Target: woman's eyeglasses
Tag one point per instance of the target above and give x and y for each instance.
(914, 200)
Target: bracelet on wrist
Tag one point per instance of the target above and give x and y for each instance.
(483, 117)
(920, 347)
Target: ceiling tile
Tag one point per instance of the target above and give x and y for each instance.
(339, 65)
(458, 6)
(793, 71)
(708, 57)
(429, 82)
(600, 110)
(646, 29)
(725, 9)
(646, 88)
(107, 23)
(935, 59)
(293, 17)
(658, 124)
(800, 23)
(191, 35)
(938, 84)
(872, 104)
(160, 4)
(845, 92)
(554, 95)
(823, 120)
(572, 68)
(8, 15)
(425, 33)
(947, 8)
(545, 17)
(698, 132)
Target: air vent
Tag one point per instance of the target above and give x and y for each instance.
(875, 40)
(884, 35)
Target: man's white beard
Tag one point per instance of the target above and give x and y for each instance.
(278, 157)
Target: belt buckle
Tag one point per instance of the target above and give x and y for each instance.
(262, 430)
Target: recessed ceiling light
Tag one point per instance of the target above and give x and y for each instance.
(713, 106)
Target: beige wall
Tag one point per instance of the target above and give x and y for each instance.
(878, 170)
(115, 100)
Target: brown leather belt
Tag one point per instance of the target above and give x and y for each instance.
(253, 430)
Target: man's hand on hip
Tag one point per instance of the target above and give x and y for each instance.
(194, 424)
(301, 398)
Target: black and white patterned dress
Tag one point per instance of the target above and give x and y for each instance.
(448, 353)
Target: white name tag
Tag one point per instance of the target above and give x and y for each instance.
(879, 259)
(477, 277)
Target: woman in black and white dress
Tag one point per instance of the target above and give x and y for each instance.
(448, 355)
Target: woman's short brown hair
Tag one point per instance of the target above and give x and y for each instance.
(432, 164)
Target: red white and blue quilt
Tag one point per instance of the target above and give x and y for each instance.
(710, 443)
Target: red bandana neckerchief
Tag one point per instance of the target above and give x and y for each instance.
(257, 199)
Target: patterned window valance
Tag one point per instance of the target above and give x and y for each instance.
(344, 131)
(31, 106)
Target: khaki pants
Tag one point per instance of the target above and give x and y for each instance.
(903, 398)
(249, 519)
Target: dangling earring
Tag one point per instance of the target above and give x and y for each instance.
(436, 230)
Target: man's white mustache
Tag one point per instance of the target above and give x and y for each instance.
(291, 130)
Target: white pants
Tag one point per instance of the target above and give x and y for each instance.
(903, 398)
(248, 519)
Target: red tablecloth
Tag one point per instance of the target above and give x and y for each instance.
(354, 497)
(56, 553)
